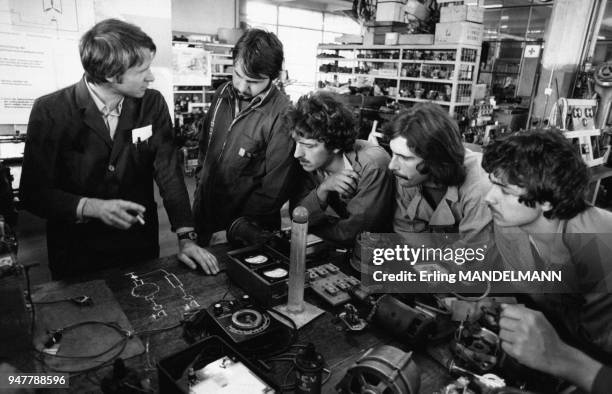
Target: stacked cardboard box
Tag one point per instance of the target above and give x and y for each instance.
(460, 13)
(459, 23)
(459, 33)
(377, 31)
(390, 10)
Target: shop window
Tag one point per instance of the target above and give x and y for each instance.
(603, 47)
(261, 12)
(296, 17)
(300, 31)
(510, 25)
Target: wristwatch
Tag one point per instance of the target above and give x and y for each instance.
(192, 235)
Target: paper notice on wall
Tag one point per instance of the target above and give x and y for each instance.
(191, 66)
(32, 66)
(25, 70)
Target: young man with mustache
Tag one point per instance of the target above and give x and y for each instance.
(542, 222)
(440, 186)
(340, 172)
(244, 152)
(92, 152)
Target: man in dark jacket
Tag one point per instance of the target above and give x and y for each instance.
(245, 155)
(92, 152)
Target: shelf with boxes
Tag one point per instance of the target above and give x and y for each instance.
(443, 74)
(193, 101)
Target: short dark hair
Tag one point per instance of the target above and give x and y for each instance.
(434, 136)
(319, 116)
(111, 47)
(260, 52)
(546, 165)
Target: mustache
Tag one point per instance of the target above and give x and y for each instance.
(397, 174)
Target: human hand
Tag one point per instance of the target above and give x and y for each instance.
(193, 256)
(343, 182)
(373, 137)
(120, 214)
(527, 336)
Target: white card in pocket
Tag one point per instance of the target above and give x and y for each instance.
(141, 134)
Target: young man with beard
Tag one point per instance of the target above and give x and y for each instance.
(92, 152)
(245, 154)
(542, 222)
(347, 175)
(440, 186)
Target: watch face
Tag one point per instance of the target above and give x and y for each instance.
(192, 235)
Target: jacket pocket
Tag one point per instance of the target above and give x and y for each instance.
(245, 156)
(142, 154)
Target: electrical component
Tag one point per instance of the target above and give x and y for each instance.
(384, 369)
(331, 284)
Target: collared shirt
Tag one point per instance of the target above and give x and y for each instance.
(368, 209)
(111, 117)
(462, 208)
(322, 174)
(580, 248)
(241, 105)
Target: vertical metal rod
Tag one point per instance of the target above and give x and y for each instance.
(297, 260)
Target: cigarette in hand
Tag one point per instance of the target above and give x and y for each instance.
(140, 219)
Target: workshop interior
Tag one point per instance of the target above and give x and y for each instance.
(287, 310)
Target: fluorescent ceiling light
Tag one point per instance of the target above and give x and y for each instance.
(601, 37)
(493, 6)
(503, 27)
(504, 17)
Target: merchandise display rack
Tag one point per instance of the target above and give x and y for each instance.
(443, 74)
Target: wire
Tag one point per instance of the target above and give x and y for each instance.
(51, 302)
(79, 372)
(125, 335)
(79, 300)
(29, 285)
(294, 333)
(228, 283)
(432, 308)
(158, 330)
(475, 299)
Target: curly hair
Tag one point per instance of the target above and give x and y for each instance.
(111, 47)
(319, 116)
(546, 165)
(434, 136)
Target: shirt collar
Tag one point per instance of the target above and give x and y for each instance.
(255, 101)
(100, 104)
(347, 163)
(347, 166)
(443, 214)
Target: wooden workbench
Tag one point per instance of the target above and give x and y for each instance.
(339, 348)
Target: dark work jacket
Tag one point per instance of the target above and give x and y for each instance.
(247, 162)
(69, 155)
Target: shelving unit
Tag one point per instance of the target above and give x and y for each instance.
(443, 74)
(191, 101)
